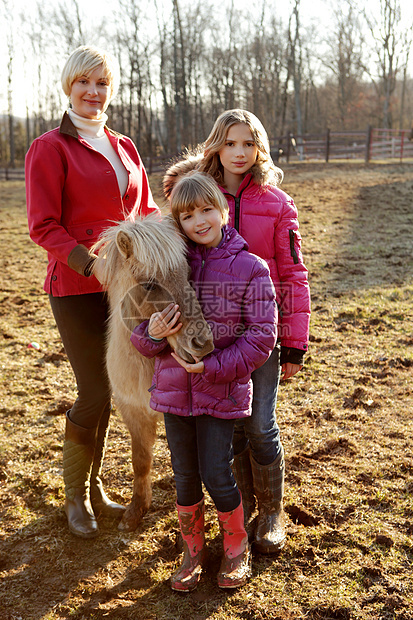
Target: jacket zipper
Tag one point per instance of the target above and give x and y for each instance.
(189, 394)
(237, 205)
(201, 279)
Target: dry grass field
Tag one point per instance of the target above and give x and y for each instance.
(346, 421)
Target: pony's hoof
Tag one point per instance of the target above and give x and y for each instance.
(128, 526)
(129, 522)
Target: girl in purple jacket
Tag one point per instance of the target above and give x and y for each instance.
(237, 155)
(201, 400)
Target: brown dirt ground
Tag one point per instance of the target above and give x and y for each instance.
(346, 423)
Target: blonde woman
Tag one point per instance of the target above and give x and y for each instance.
(80, 178)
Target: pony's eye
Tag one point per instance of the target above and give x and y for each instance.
(148, 286)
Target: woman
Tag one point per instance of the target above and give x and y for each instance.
(82, 177)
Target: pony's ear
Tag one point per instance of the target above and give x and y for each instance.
(124, 243)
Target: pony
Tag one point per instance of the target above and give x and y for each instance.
(145, 270)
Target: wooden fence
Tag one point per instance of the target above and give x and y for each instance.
(12, 174)
(370, 145)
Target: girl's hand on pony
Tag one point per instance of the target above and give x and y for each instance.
(163, 324)
(288, 370)
(198, 367)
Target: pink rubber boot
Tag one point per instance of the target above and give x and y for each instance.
(191, 521)
(235, 567)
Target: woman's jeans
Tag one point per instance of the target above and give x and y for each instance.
(261, 430)
(81, 321)
(201, 451)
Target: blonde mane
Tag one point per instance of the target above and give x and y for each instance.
(158, 242)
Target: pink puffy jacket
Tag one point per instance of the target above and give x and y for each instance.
(267, 219)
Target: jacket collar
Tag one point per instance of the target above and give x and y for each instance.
(246, 181)
(67, 128)
(230, 244)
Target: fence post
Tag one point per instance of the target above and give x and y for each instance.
(327, 145)
(288, 147)
(402, 146)
(368, 143)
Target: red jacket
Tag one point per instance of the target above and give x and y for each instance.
(267, 219)
(73, 195)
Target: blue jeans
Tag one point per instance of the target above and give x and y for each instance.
(261, 430)
(201, 452)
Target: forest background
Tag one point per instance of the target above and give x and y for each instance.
(185, 61)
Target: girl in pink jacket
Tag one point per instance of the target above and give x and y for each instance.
(237, 155)
(200, 401)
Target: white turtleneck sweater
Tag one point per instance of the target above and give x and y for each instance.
(92, 130)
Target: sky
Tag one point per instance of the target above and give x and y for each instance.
(311, 11)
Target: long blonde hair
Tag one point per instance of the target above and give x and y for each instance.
(264, 171)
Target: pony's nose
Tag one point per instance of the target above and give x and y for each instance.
(197, 342)
(202, 343)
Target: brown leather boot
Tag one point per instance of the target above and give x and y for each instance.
(270, 534)
(78, 450)
(235, 567)
(191, 522)
(101, 504)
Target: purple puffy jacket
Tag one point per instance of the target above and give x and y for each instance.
(238, 301)
(267, 218)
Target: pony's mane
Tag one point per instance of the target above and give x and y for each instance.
(157, 243)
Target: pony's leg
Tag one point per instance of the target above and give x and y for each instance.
(142, 428)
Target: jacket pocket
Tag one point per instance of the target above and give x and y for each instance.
(207, 390)
(239, 390)
(88, 232)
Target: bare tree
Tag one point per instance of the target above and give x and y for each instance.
(196, 20)
(129, 53)
(180, 81)
(177, 77)
(164, 135)
(314, 118)
(44, 75)
(295, 56)
(182, 70)
(265, 69)
(68, 21)
(345, 61)
(46, 52)
(406, 46)
(391, 45)
(223, 71)
(7, 18)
